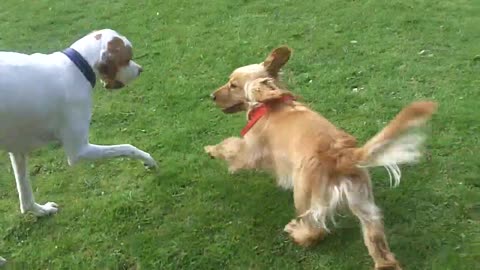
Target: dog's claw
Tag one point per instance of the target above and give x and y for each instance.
(150, 166)
(150, 163)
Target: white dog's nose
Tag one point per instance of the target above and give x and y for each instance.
(140, 70)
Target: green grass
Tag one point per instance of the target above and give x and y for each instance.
(191, 214)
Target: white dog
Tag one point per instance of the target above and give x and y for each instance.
(47, 97)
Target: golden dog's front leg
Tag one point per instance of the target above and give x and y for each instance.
(234, 151)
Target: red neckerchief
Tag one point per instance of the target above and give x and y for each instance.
(257, 113)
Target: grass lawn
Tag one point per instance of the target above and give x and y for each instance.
(357, 62)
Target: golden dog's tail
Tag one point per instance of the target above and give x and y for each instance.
(399, 142)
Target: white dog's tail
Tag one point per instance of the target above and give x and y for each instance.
(399, 142)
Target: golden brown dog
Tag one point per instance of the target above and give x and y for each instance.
(322, 163)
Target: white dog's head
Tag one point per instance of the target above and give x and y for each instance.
(115, 67)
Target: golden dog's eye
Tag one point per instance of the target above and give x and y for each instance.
(232, 85)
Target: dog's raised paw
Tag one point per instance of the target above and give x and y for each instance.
(40, 210)
(302, 234)
(150, 163)
(292, 225)
(209, 149)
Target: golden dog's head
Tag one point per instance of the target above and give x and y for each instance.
(231, 97)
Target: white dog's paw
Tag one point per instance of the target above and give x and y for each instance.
(2, 261)
(44, 210)
(150, 162)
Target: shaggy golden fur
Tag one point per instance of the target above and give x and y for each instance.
(320, 162)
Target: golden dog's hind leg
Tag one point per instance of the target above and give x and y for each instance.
(360, 202)
(234, 151)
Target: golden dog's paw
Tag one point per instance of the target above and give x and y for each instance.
(233, 169)
(210, 150)
(303, 234)
(291, 226)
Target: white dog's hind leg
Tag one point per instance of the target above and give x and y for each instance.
(25, 194)
(2, 261)
(93, 151)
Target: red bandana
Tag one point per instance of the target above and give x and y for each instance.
(257, 113)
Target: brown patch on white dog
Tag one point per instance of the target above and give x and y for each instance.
(117, 55)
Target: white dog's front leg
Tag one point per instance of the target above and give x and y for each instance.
(2, 261)
(93, 151)
(25, 194)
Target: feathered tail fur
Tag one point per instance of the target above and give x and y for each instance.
(399, 142)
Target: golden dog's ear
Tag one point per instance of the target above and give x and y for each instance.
(265, 90)
(276, 60)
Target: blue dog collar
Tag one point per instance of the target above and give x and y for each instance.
(81, 64)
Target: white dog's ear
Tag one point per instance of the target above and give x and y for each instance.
(106, 66)
(276, 60)
(115, 55)
(265, 90)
